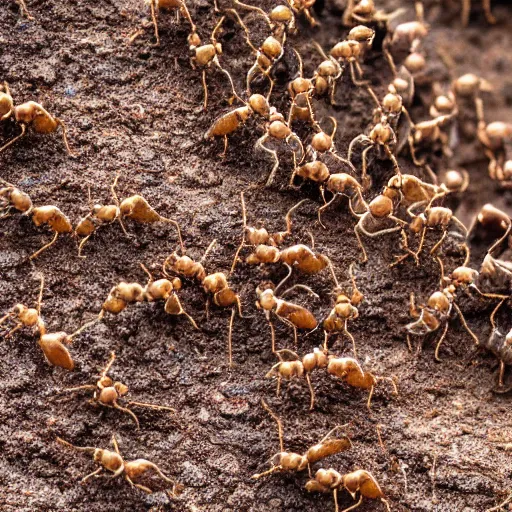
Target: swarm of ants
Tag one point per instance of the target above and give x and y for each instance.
(385, 179)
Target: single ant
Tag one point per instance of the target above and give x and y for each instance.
(467, 88)
(297, 368)
(52, 344)
(134, 207)
(383, 139)
(304, 7)
(293, 315)
(33, 114)
(429, 132)
(178, 5)
(363, 11)
(270, 51)
(260, 236)
(348, 52)
(236, 118)
(107, 393)
(14, 198)
(204, 55)
(277, 129)
(113, 462)
(348, 370)
(359, 481)
(414, 191)
(380, 211)
(494, 137)
(294, 462)
(162, 289)
(437, 311)
(345, 310)
(466, 9)
(300, 90)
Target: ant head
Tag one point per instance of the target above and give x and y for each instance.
(407, 33)
(121, 388)
(259, 104)
(26, 112)
(398, 86)
(463, 276)
(392, 103)
(266, 297)
(281, 14)
(439, 302)
(194, 40)
(104, 382)
(415, 62)
(321, 142)
(381, 133)
(346, 50)
(300, 85)
(456, 181)
(328, 477)
(278, 129)
(364, 7)
(361, 34)
(498, 131)
(218, 48)
(327, 68)
(271, 47)
(507, 170)
(467, 85)
(493, 219)
(380, 207)
(443, 104)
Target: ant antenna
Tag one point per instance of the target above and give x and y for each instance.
(284, 279)
(275, 417)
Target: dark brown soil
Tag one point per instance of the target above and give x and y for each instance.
(137, 109)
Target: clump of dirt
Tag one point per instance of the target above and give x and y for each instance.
(135, 108)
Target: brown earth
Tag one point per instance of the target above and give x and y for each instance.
(137, 109)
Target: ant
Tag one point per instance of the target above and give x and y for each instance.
(382, 138)
(379, 210)
(326, 75)
(206, 54)
(345, 310)
(216, 285)
(33, 114)
(128, 293)
(466, 9)
(228, 123)
(300, 90)
(294, 462)
(107, 393)
(362, 11)
(293, 315)
(288, 369)
(437, 311)
(277, 129)
(113, 461)
(494, 136)
(260, 236)
(52, 216)
(362, 481)
(134, 207)
(52, 344)
(348, 370)
(413, 191)
(6, 103)
(270, 51)
(304, 7)
(179, 5)
(349, 51)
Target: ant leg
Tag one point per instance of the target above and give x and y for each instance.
(24, 11)
(324, 207)
(326, 339)
(360, 242)
(223, 154)
(65, 138)
(140, 486)
(275, 417)
(273, 335)
(78, 388)
(288, 217)
(441, 339)
(369, 402)
(466, 326)
(127, 411)
(355, 81)
(152, 406)
(230, 337)
(205, 89)
(273, 469)
(295, 337)
(5, 317)
(353, 142)
(184, 10)
(409, 345)
(81, 246)
(493, 314)
(108, 365)
(312, 21)
(259, 144)
(439, 243)
(244, 26)
(12, 141)
(90, 475)
(278, 388)
(347, 14)
(178, 230)
(226, 72)
(48, 245)
(345, 331)
(311, 392)
(386, 504)
(422, 240)
(464, 14)
(364, 177)
(154, 17)
(393, 383)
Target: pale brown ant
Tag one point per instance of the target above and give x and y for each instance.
(293, 315)
(6, 102)
(294, 462)
(345, 310)
(468, 87)
(348, 51)
(297, 368)
(326, 75)
(363, 11)
(466, 9)
(32, 114)
(270, 51)
(304, 7)
(134, 207)
(380, 210)
(123, 294)
(12, 197)
(300, 90)
(178, 5)
(234, 119)
(260, 236)
(494, 137)
(203, 55)
(52, 344)
(277, 129)
(359, 481)
(113, 462)
(437, 311)
(348, 370)
(429, 132)
(107, 393)
(383, 139)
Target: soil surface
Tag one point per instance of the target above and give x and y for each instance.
(134, 108)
